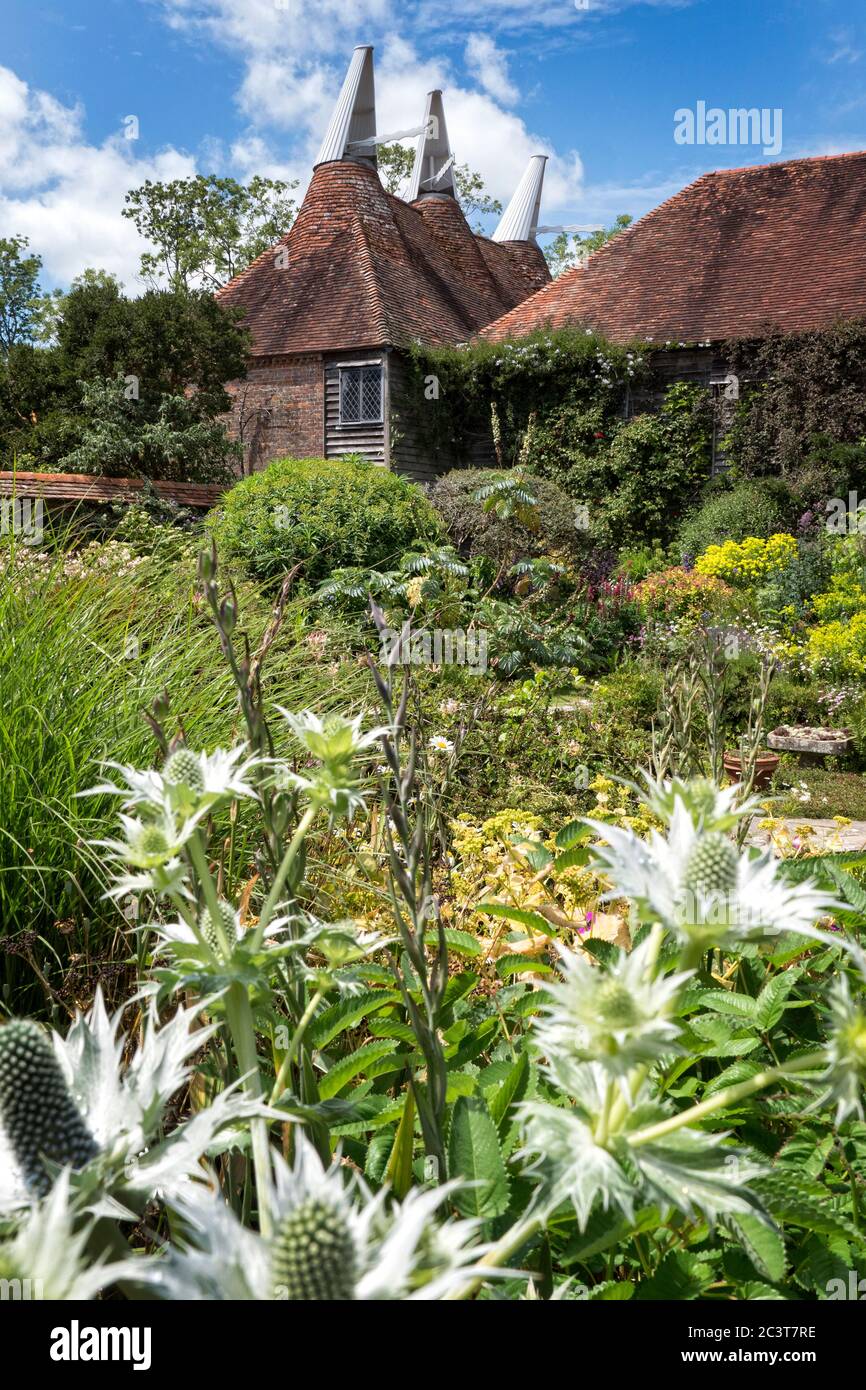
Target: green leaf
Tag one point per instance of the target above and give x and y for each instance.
(763, 1244)
(772, 1000)
(571, 859)
(342, 1072)
(680, 1276)
(399, 1170)
(475, 1156)
(509, 1094)
(612, 1291)
(348, 1013)
(516, 965)
(461, 942)
(533, 920)
(572, 834)
(724, 1001)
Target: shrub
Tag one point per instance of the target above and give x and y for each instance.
(637, 478)
(679, 593)
(329, 514)
(748, 561)
(749, 509)
(505, 539)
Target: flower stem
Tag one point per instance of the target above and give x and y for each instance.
(285, 1065)
(724, 1098)
(240, 1019)
(512, 1240)
(279, 882)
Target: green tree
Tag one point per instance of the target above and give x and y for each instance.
(121, 437)
(205, 229)
(26, 313)
(564, 252)
(395, 169)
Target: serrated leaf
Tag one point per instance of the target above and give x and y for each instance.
(518, 965)
(342, 1072)
(510, 1093)
(725, 1001)
(680, 1276)
(461, 942)
(348, 1014)
(574, 858)
(475, 1156)
(399, 1171)
(771, 1001)
(763, 1244)
(572, 834)
(612, 1291)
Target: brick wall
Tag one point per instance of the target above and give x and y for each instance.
(279, 410)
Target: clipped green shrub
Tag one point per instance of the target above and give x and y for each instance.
(327, 513)
(758, 508)
(476, 532)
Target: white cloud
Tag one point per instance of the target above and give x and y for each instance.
(294, 61)
(65, 194)
(489, 65)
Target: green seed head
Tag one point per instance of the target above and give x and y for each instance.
(38, 1114)
(183, 769)
(616, 1007)
(712, 865)
(313, 1258)
(151, 846)
(227, 922)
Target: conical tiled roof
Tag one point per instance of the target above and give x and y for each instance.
(361, 268)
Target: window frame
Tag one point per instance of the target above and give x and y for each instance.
(360, 368)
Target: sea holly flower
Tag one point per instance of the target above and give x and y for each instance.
(333, 1241)
(189, 785)
(846, 1051)
(81, 1106)
(46, 1256)
(617, 1017)
(687, 1170)
(694, 880)
(336, 743)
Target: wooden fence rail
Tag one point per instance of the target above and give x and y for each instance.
(81, 487)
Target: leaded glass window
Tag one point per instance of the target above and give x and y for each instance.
(360, 395)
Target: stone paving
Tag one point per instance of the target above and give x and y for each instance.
(827, 836)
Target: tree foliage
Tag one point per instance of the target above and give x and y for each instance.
(395, 169)
(567, 250)
(206, 229)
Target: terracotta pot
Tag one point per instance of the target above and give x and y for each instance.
(764, 767)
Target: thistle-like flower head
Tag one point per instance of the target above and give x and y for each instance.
(333, 1241)
(189, 786)
(80, 1104)
(695, 881)
(37, 1112)
(618, 1016)
(47, 1251)
(336, 743)
(846, 1050)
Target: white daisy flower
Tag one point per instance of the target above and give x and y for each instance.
(440, 744)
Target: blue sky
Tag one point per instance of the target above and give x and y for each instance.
(244, 86)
